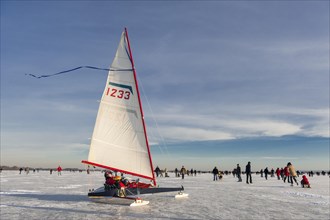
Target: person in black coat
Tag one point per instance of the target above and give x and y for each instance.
(157, 171)
(215, 173)
(238, 172)
(266, 172)
(248, 173)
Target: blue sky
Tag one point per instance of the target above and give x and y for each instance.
(222, 82)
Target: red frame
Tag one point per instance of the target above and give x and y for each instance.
(115, 169)
(142, 116)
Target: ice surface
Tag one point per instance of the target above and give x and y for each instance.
(44, 196)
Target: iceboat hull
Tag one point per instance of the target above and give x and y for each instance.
(101, 192)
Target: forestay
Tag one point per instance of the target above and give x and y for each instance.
(119, 141)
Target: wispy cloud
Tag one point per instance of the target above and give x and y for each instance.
(248, 121)
(280, 158)
(193, 134)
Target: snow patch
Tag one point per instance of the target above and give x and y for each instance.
(70, 187)
(306, 195)
(14, 192)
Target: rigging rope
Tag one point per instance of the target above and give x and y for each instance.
(77, 68)
(162, 140)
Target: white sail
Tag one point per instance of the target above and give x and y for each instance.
(119, 141)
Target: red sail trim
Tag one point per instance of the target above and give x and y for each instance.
(118, 170)
(138, 93)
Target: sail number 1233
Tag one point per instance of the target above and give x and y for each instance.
(118, 93)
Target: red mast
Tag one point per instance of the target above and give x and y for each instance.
(142, 116)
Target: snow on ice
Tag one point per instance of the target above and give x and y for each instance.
(44, 196)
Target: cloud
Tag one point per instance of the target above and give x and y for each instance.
(279, 158)
(225, 123)
(264, 127)
(193, 134)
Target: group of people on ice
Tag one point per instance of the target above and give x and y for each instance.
(287, 173)
(238, 172)
(178, 173)
(183, 171)
(160, 172)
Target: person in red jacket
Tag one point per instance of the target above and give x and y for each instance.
(59, 170)
(286, 174)
(109, 178)
(304, 182)
(278, 173)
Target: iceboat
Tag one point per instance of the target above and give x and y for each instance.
(119, 142)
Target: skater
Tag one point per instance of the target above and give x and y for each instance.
(261, 173)
(234, 172)
(282, 173)
(176, 172)
(165, 172)
(59, 170)
(215, 174)
(238, 173)
(304, 182)
(293, 173)
(183, 172)
(278, 173)
(157, 171)
(266, 172)
(20, 170)
(50, 171)
(272, 172)
(286, 174)
(248, 173)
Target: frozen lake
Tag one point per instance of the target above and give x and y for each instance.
(44, 196)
